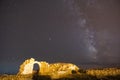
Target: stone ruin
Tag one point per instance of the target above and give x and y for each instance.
(46, 68)
(27, 67)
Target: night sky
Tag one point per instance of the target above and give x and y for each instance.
(77, 31)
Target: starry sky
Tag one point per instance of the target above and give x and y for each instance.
(77, 31)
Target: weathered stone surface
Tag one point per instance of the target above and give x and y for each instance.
(27, 66)
(47, 69)
(63, 67)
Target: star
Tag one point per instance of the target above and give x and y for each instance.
(50, 39)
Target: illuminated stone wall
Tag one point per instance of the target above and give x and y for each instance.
(45, 68)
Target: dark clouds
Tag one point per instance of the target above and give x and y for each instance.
(78, 31)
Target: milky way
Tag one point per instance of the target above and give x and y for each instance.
(88, 15)
(81, 21)
(77, 31)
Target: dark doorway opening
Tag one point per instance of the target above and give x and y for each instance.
(35, 68)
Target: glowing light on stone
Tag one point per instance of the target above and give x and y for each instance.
(54, 70)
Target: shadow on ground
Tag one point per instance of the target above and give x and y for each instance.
(36, 76)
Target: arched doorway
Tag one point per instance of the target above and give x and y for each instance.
(36, 68)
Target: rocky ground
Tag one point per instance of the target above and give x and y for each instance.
(90, 74)
(70, 77)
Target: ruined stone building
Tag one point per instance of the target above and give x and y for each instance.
(45, 69)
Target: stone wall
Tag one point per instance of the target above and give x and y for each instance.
(45, 68)
(27, 66)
